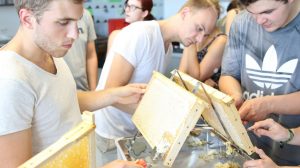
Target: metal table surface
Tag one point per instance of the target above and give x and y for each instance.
(206, 155)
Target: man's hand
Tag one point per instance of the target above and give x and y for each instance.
(271, 129)
(255, 109)
(264, 162)
(122, 164)
(238, 100)
(211, 83)
(129, 94)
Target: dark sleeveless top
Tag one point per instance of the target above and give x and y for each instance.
(200, 55)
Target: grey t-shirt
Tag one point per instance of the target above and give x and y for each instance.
(266, 63)
(76, 56)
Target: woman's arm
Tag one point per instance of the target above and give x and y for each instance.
(213, 58)
(211, 62)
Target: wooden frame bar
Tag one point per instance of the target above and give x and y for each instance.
(74, 149)
(226, 109)
(166, 115)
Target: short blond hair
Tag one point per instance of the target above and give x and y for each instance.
(202, 4)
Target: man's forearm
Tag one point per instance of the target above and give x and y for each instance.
(189, 62)
(129, 108)
(94, 100)
(286, 104)
(230, 86)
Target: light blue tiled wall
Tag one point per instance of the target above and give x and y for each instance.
(162, 9)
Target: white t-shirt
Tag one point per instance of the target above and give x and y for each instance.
(33, 98)
(142, 45)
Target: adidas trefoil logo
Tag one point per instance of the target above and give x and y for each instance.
(268, 76)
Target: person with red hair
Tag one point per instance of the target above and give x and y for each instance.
(134, 10)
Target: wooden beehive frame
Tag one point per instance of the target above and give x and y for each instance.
(76, 148)
(226, 109)
(166, 115)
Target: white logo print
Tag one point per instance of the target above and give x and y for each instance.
(268, 76)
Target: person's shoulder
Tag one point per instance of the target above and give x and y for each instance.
(244, 22)
(142, 25)
(86, 13)
(142, 29)
(231, 13)
(86, 16)
(114, 33)
(9, 57)
(14, 66)
(243, 17)
(295, 22)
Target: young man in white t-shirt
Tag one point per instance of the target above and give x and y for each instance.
(38, 100)
(136, 52)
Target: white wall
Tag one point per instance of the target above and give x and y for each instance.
(9, 22)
